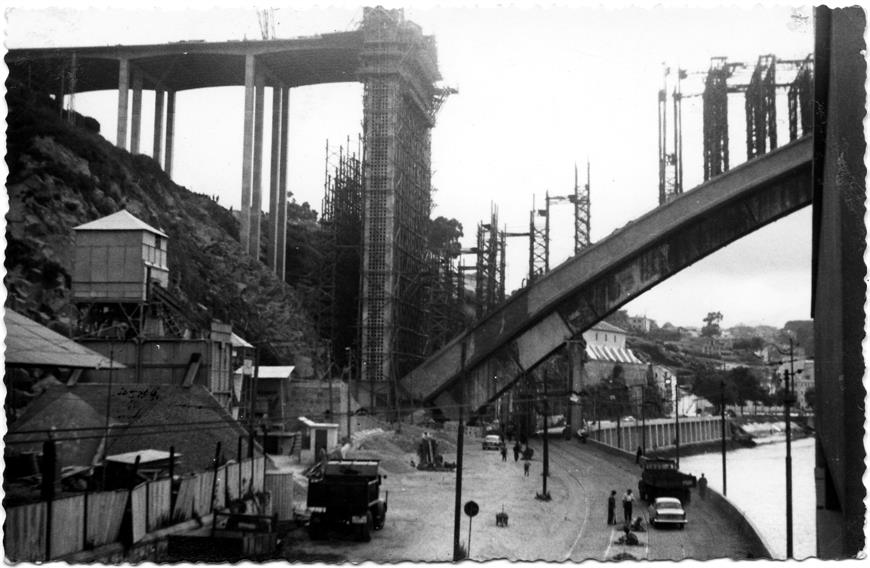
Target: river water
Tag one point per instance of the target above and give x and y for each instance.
(756, 485)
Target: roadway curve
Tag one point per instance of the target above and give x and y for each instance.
(572, 526)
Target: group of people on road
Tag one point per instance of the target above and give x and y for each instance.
(627, 507)
(518, 450)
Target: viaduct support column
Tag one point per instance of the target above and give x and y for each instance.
(247, 154)
(73, 69)
(274, 180)
(136, 123)
(282, 186)
(170, 131)
(257, 190)
(159, 97)
(123, 88)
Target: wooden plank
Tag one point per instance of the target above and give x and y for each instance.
(67, 526)
(24, 533)
(105, 515)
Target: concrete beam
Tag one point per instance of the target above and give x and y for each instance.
(583, 290)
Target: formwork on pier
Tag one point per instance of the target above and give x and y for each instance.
(398, 69)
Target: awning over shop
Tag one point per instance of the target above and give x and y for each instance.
(612, 354)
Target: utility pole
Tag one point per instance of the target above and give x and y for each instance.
(722, 410)
(789, 537)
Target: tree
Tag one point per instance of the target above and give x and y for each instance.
(444, 235)
(711, 329)
(620, 319)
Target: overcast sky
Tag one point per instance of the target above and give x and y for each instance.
(540, 89)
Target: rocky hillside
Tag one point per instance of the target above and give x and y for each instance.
(61, 176)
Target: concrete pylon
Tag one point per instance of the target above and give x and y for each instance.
(257, 187)
(282, 185)
(170, 132)
(136, 113)
(159, 98)
(274, 179)
(247, 153)
(123, 91)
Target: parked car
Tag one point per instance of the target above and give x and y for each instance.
(667, 511)
(492, 442)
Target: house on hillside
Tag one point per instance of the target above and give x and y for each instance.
(640, 324)
(126, 311)
(605, 351)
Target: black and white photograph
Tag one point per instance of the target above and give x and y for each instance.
(342, 282)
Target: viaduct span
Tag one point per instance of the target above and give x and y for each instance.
(398, 67)
(485, 361)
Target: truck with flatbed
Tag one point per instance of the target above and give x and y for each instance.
(346, 493)
(662, 478)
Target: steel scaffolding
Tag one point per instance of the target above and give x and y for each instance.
(337, 317)
(398, 68)
(761, 108)
(715, 99)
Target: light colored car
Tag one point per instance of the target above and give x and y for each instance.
(667, 511)
(492, 442)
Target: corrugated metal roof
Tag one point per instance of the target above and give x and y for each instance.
(271, 372)
(30, 343)
(614, 354)
(145, 456)
(123, 220)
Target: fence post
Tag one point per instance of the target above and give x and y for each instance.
(49, 462)
(217, 457)
(172, 494)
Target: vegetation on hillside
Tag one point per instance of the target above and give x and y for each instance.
(61, 176)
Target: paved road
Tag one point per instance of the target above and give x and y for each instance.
(571, 526)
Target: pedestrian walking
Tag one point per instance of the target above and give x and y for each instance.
(627, 502)
(638, 455)
(526, 467)
(516, 451)
(503, 449)
(702, 486)
(611, 508)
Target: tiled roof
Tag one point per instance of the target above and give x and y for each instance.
(612, 354)
(30, 343)
(145, 417)
(604, 326)
(123, 220)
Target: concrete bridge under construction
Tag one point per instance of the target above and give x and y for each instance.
(539, 319)
(397, 65)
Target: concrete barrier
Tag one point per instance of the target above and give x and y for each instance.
(758, 547)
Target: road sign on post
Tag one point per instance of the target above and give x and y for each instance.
(471, 509)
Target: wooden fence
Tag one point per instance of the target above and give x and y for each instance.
(90, 520)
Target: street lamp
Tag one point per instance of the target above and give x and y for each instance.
(676, 392)
(787, 402)
(642, 415)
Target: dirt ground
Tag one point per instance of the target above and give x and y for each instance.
(571, 526)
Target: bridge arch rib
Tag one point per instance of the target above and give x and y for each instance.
(539, 319)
